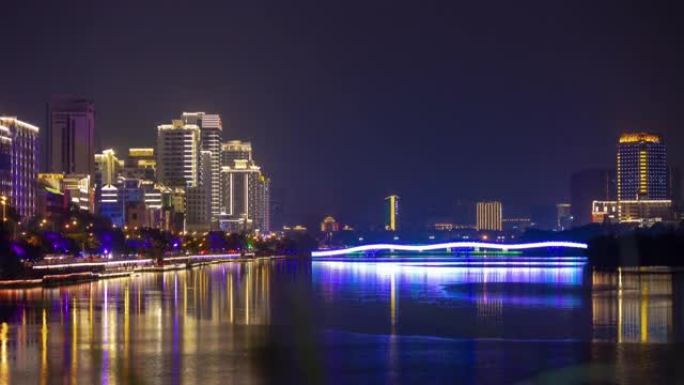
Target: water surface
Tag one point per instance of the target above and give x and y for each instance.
(362, 321)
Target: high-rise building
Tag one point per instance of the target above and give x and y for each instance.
(211, 129)
(564, 216)
(140, 164)
(178, 154)
(239, 186)
(587, 186)
(262, 215)
(642, 179)
(641, 167)
(70, 138)
(392, 212)
(107, 168)
(489, 216)
(233, 150)
(198, 204)
(18, 164)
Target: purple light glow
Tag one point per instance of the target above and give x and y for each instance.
(449, 245)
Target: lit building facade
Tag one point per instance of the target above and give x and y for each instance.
(642, 179)
(107, 168)
(392, 213)
(78, 190)
(233, 150)
(329, 225)
(19, 164)
(178, 154)
(211, 129)
(262, 215)
(641, 167)
(70, 137)
(239, 203)
(488, 216)
(111, 204)
(140, 164)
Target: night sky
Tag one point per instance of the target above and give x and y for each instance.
(347, 101)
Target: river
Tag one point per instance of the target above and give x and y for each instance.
(410, 320)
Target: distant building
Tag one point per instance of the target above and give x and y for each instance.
(70, 136)
(675, 187)
(262, 216)
(604, 212)
(587, 186)
(642, 170)
(78, 190)
(392, 213)
(642, 179)
(564, 218)
(489, 216)
(517, 225)
(239, 185)
(140, 164)
(111, 204)
(107, 168)
(18, 164)
(198, 198)
(329, 225)
(211, 129)
(235, 150)
(178, 154)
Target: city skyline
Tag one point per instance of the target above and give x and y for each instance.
(534, 101)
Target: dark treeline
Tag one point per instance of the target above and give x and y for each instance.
(622, 245)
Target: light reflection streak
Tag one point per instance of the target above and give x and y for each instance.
(632, 307)
(4, 365)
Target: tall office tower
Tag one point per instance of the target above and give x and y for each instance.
(199, 197)
(262, 215)
(70, 138)
(107, 168)
(641, 167)
(587, 186)
(178, 154)
(392, 213)
(140, 164)
(489, 215)
(642, 179)
(18, 164)
(234, 150)
(239, 185)
(211, 129)
(564, 218)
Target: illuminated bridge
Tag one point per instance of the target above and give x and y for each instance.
(449, 246)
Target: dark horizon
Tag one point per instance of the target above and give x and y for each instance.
(348, 102)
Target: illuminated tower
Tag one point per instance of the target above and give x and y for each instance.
(211, 129)
(392, 213)
(642, 179)
(178, 154)
(488, 216)
(641, 167)
(107, 168)
(18, 164)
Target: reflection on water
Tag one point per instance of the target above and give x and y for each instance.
(103, 331)
(632, 307)
(290, 321)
